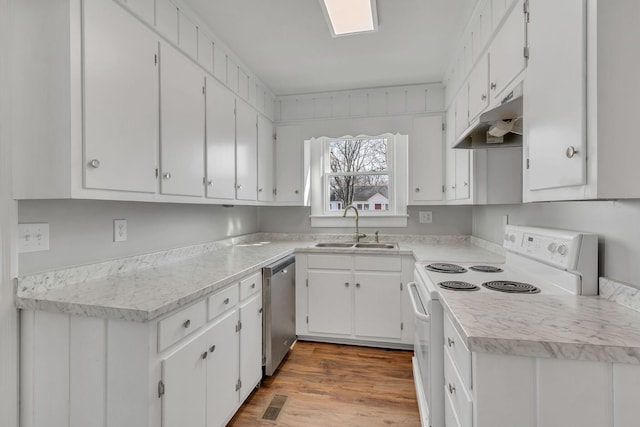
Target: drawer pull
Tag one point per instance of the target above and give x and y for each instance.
(226, 301)
(187, 323)
(212, 348)
(346, 284)
(260, 311)
(452, 389)
(253, 286)
(204, 355)
(357, 285)
(450, 342)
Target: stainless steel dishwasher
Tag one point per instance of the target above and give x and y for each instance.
(279, 315)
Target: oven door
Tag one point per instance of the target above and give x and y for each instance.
(422, 360)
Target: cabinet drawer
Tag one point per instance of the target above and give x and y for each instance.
(177, 326)
(250, 285)
(378, 263)
(457, 393)
(222, 301)
(459, 352)
(333, 262)
(450, 416)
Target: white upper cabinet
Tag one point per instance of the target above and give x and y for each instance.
(289, 165)
(265, 159)
(182, 124)
(462, 110)
(479, 88)
(463, 174)
(142, 8)
(167, 19)
(221, 144)
(426, 160)
(555, 98)
(187, 35)
(246, 152)
(120, 100)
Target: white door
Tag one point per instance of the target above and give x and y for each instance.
(222, 370)
(463, 175)
(184, 377)
(426, 159)
(181, 124)
(250, 345)
(555, 99)
(221, 141)
(329, 302)
(265, 159)
(378, 305)
(506, 55)
(120, 100)
(479, 88)
(289, 165)
(246, 152)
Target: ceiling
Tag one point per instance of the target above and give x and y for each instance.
(287, 43)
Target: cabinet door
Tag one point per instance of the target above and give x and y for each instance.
(450, 155)
(506, 55)
(184, 373)
(378, 305)
(222, 370)
(250, 345)
(120, 100)
(462, 174)
(426, 159)
(462, 110)
(221, 141)
(555, 99)
(181, 125)
(289, 165)
(479, 88)
(265, 159)
(246, 152)
(330, 302)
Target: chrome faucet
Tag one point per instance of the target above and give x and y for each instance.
(357, 235)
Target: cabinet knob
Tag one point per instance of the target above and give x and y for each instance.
(204, 355)
(346, 284)
(466, 184)
(253, 286)
(95, 163)
(450, 342)
(453, 187)
(297, 191)
(483, 97)
(571, 151)
(167, 176)
(212, 348)
(259, 190)
(357, 285)
(239, 187)
(260, 311)
(187, 323)
(226, 301)
(417, 189)
(452, 389)
(210, 182)
(493, 85)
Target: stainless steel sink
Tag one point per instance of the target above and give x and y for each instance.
(371, 245)
(334, 245)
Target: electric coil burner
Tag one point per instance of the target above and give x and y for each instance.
(511, 287)
(486, 268)
(455, 285)
(441, 267)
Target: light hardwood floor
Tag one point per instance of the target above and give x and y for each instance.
(338, 385)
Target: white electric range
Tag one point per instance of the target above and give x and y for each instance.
(538, 261)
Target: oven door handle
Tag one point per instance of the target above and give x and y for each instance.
(418, 309)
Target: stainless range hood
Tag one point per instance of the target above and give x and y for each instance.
(496, 128)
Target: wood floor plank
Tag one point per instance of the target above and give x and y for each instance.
(338, 385)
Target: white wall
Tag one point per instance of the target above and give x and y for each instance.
(82, 230)
(616, 222)
(9, 367)
(446, 220)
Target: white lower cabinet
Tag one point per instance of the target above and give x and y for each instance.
(359, 298)
(495, 390)
(192, 367)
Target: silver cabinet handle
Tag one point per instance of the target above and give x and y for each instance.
(357, 285)
(483, 97)
(453, 187)
(452, 389)
(204, 355)
(187, 323)
(210, 182)
(212, 348)
(259, 190)
(297, 191)
(167, 176)
(450, 342)
(253, 286)
(260, 311)
(417, 189)
(571, 151)
(346, 284)
(226, 301)
(95, 163)
(239, 187)
(493, 85)
(466, 184)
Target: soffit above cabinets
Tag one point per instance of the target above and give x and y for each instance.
(288, 45)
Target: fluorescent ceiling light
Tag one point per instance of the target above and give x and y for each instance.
(350, 16)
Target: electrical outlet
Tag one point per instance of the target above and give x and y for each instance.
(426, 217)
(33, 237)
(119, 230)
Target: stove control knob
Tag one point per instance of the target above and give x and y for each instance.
(552, 247)
(563, 249)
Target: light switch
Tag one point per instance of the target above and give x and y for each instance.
(33, 237)
(426, 217)
(119, 230)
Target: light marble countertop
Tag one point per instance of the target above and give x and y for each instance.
(565, 327)
(145, 287)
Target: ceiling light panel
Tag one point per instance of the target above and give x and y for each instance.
(346, 17)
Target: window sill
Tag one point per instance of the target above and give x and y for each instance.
(338, 221)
